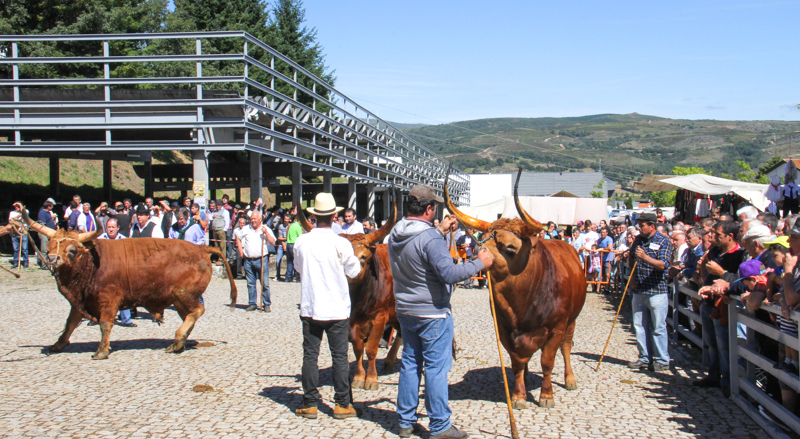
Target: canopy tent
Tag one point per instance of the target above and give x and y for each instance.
(543, 209)
(706, 185)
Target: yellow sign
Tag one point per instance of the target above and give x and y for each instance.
(199, 189)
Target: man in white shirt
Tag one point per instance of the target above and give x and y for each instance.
(351, 225)
(86, 221)
(143, 227)
(325, 261)
(19, 242)
(68, 210)
(252, 240)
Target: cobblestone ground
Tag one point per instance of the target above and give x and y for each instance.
(251, 360)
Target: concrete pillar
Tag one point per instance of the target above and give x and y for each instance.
(107, 181)
(327, 182)
(148, 178)
(55, 174)
(351, 192)
(256, 176)
(401, 208)
(297, 184)
(371, 200)
(387, 203)
(200, 172)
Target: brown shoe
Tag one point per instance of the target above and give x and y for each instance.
(307, 412)
(340, 412)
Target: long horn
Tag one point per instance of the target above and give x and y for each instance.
(36, 227)
(467, 220)
(301, 216)
(533, 225)
(377, 236)
(88, 236)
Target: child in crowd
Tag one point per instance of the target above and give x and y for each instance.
(596, 262)
(779, 248)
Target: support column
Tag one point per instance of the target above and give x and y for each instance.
(107, 181)
(371, 200)
(297, 184)
(401, 208)
(148, 178)
(256, 176)
(387, 204)
(327, 182)
(55, 174)
(351, 192)
(200, 174)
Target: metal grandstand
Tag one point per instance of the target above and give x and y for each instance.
(248, 105)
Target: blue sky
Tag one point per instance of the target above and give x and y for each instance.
(445, 61)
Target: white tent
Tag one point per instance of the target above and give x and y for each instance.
(543, 209)
(708, 185)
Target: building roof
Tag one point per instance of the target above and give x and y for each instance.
(581, 184)
(776, 165)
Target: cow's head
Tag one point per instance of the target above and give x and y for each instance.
(363, 244)
(64, 248)
(510, 240)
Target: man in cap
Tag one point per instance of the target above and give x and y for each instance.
(652, 253)
(220, 222)
(424, 273)
(143, 227)
(325, 261)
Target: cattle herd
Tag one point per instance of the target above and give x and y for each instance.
(539, 289)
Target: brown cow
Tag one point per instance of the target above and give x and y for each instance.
(372, 301)
(100, 277)
(539, 290)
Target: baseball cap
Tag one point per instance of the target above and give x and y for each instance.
(750, 268)
(50, 200)
(424, 194)
(782, 240)
(757, 231)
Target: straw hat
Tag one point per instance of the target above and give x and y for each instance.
(324, 205)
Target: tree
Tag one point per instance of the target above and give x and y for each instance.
(598, 194)
(629, 203)
(769, 164)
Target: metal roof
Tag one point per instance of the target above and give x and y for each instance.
(542, 184)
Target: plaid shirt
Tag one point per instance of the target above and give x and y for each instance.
(648, 280)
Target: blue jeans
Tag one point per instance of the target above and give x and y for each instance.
(125, 316)
(650, 325)
(710, 352)
(289, 253)
(252, 271)
(15, 240)
(427, 343)
(279, 256)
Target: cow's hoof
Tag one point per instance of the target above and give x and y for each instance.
(100, 355)
(371, 385)
(172, 349)
(358, 384)
(547, 403)
(519, 404)
(571, 385)
(56, 349)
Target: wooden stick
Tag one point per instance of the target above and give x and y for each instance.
(261, 291)
(17, 275)
(514, 431)
(615, 317)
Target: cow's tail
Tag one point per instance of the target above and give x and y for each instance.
(218, 252)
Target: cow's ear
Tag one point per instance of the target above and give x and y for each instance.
(89, 245)
(527, 232)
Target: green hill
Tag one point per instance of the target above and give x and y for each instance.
(625, 144)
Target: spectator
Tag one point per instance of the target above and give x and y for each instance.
(112, 232)
(19, 242)
(770, 220)
(723, 258)
(198, 216)
(45, 216)
(325, 261)
(422, 285)
(186, 202)
(241, 222)
(68, 211)
(251, 242)
(123, 219)
(452, 236)
(745, 213)
(168, 217)
(605, 243)
(86, 220)
(351, 225)
(186, 228)
(653, 251)
(551, 231)
(694, 253)
(369, 225)
(336, 225)
(753, 241)
(294, 232)
(283, 231)
(679, 246)
(144, 227)
(660, 218)
(220, 222)
(102, 215)
(75, 212)
(149, 203)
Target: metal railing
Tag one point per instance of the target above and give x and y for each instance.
(744, 386)
(282, 110)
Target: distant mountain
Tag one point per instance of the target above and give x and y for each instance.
(623, 144)
(408, 126)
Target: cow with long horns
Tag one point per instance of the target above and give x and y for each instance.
(539, 290)
(100, 277)
(372, 301)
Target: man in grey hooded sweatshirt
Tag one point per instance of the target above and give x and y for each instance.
(424, 273)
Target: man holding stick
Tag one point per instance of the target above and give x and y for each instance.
(252, 240)
(423, 274)
(653, 251)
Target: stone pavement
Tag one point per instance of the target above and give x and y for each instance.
(250, 365)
